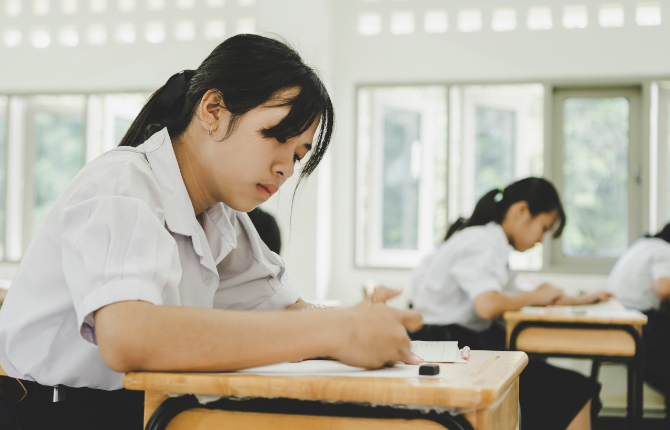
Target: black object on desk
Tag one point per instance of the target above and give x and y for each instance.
(429, 369)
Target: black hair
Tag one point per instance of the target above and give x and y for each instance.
(454, 227)
(663, 234)
(247, 71)
(267, 229)
(539, 193)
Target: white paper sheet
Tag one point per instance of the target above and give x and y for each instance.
(332, 368)
(609, 309)
(437, 352)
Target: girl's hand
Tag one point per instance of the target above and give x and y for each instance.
(375, 335)
(381, 294)
(546, 295)
(595, 297)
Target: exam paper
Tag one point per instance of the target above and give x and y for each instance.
(609, 309)
(437, 352)
(334, 368)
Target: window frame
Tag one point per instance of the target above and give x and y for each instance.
(554, 260)
(663, 156)
(368, 252)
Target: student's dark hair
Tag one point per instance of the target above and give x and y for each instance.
(267, 228)
(247, 71)
(663, 234)
(454, 227)
(539, 193)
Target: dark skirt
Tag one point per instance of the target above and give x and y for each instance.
(550, 397)
(73, 415)
(656, 337)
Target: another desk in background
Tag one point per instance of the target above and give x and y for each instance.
(607, 337)
(485, 390)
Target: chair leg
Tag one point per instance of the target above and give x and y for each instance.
(595, 369)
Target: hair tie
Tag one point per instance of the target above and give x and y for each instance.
(499, 196)
(174, 89)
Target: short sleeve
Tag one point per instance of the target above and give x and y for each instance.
(660, 264)
(115, 249)
(252, 277)
(475, 271)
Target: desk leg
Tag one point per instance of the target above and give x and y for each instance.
(639, 384)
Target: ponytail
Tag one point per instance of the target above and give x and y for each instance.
(539, 193)
(663, 234)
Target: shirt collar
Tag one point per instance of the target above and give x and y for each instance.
(179, 213)
(499, 234)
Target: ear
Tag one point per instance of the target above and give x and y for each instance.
(211, 110)
(520, 209)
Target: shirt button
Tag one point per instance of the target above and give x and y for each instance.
(208, 280)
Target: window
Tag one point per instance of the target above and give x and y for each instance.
(4, 102)
(401, 172)
(44, 142)
(597, 161)
(496, 138)
(419, 169)
(663, 148)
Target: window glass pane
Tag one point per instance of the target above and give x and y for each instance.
(401, 171)
(3, 169)
(667, 216)
(497, 137)
(401, 178)
(59, 149)
(494, 154)
(595, 171)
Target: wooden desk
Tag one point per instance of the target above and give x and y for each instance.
(581, 336)
(486, 390)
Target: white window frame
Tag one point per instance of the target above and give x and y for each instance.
(369, 251)
(663, 156)
(469, 103)
(32, 107)
(554, 260)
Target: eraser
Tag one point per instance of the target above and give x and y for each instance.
(429, 369)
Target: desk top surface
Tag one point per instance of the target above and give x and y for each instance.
(478, 383)
(516, 316)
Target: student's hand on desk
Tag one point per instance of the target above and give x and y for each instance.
(376, 336)
(585, 299)
(381, 294)
(546, 294)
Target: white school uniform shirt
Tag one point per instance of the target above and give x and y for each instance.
(125, 229)
(632, 278)
(447, 282)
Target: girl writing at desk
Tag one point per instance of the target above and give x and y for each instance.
(641, 280)
(465, 284)
(148, 260)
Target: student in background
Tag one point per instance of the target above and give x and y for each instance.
(462, 286)
(641, 280)
(267, 228)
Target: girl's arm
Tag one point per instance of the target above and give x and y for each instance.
(662, 288)
(492, 304)
(134, 335)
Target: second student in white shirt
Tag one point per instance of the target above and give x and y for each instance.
(466, 283)
(641, 280)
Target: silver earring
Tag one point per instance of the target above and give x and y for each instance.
(210, 129)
